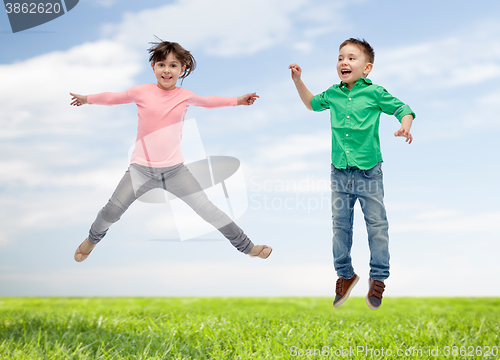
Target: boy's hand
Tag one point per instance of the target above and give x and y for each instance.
(247, 99)
(405, 133)
(78, 100)
(406, 122)
(296, 72)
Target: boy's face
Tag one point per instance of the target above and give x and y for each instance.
(352, 65)
(168, 71)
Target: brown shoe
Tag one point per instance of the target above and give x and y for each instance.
(343, 289)
(374, 297)
(82, 254)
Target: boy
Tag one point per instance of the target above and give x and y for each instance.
(356, 172)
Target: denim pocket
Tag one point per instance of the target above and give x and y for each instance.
(334, 169)
(374, 172)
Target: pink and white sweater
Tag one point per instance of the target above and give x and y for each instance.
(161, 119)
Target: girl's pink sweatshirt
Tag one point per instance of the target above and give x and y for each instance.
(161, 118)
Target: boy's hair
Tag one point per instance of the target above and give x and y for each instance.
(160, 50)
(363, 45)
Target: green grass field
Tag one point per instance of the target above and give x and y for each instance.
(248, 328)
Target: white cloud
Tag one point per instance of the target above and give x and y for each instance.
(405, 279)
(437, 214)
(4, 240)
(483, 113)
(449, 221)
(105, 3)
(457, 60)
(303, 46)
(82, 69)
(296, 146)
(28, 211)
(20, 173)
(99, 63)
(489, 99)
(223, 27)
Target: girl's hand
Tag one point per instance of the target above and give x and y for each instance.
(296, 72)
(247, 99)
(404, 133)
(78, 100)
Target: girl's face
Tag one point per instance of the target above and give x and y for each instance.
(168, 71)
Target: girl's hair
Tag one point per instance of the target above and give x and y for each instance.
(160, 49)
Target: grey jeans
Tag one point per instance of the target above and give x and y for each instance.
(178, 181)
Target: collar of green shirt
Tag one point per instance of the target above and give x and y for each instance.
(362, 82)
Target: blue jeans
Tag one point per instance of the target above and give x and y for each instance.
(349, 185)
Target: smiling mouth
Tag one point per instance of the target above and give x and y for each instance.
(166, 78)
(344, 72)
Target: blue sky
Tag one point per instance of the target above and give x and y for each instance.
(60, 164)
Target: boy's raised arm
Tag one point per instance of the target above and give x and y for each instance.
(304, 93)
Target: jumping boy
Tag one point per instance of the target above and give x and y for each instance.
(356, 172)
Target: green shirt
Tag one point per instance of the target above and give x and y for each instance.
(355, 118)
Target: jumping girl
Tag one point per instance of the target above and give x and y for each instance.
(157, 160)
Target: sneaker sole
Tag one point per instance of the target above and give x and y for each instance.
(346, 296)
(368, 300)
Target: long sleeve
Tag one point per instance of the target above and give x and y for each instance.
(109, 98)
(211, 102)
(319, 103)
(393, 106)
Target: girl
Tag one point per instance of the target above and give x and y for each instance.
(157, 160)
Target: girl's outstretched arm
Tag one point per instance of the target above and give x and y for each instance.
(247, 99)
(78, 100)
(106, 98)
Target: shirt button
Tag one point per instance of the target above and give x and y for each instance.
(348, 116)
(349, 99)
(346, 134)
(347, 152)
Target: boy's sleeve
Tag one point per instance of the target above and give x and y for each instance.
(393, 106)
(319, 102)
